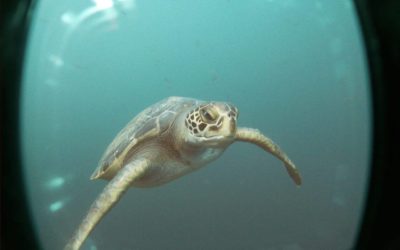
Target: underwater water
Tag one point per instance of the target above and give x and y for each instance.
(296, 71)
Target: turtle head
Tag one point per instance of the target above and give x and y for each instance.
(212, 123)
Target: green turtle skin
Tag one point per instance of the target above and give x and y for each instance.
(167, 140)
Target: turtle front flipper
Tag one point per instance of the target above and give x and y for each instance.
(256, 137)
(107, 199)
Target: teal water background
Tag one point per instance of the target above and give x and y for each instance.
(296, 71)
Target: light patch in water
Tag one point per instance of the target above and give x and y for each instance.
(89, 244)
(55, 206)
(56, 182)
(56, 60)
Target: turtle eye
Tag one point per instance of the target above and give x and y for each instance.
(209, 115)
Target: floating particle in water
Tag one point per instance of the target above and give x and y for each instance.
(56, 206)
(56, 182)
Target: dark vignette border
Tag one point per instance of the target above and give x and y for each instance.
(380, 23)
(16, 224)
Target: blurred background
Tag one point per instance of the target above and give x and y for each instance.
(296, 71)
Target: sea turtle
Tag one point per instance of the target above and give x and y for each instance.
(165, 141)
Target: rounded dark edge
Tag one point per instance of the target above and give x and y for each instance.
(17, 231)
(380, 24)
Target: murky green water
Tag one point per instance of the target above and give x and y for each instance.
(295, 70)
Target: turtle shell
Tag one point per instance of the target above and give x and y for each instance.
(148, 124)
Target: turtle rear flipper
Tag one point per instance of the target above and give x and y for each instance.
(107, 199)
